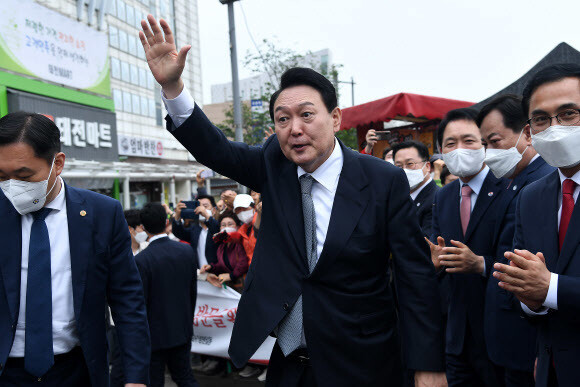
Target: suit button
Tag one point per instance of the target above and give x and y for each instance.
(286, 306)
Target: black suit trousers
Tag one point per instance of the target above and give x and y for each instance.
(177, 360)
(283, 372)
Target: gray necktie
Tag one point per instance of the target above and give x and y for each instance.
(291, 327)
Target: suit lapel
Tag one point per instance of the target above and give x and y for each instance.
(80, 231)
(424, 193)
(11, 257)
(350, 201)
(571, 241)
(489, 191)
(548, 213)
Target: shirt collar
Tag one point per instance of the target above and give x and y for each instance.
(418, 191)
(155, 237)
(59, 202)
(575, 178)
(328, 173)
(477, 182)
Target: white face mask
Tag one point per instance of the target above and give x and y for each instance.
(464, 162)
(26, 196)
(390, 161)
(559, 145)
(203, 218)
(140, 237)
(229, 229)
(415, 176)
(503, 162)
(246, 216)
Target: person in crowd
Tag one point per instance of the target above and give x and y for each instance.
(138, 235)
(333, 317)
(219, 209)
(370, 142)
(168, 271)
(244, 208)
(232, 262)
(228, 196)
(255, 196)
(201, 189)
(446, 176)
(66, 253)
(510, 340)
(437, 164)
(199, 232)
(464, 221)
(544, 269)
(413, 158)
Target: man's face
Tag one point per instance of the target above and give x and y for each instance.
(18, 162)
(255, 196)
(409, 158)
(304, 127)
(461, 134)
(555, 97)
(206, 203)
(242, 209)
(135, 230)
(220, 205)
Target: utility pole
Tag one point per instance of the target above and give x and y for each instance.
(235, 78)
(351, 88)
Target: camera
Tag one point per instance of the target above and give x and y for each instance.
(189, 211)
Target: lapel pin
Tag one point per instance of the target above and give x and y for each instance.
(83, 213)
(515, 187)
(490, 194)
(418, 204)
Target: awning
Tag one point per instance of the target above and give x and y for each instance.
(403, 106)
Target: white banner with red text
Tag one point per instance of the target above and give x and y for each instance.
(213, 322)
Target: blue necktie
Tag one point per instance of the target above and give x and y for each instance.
(38, 352)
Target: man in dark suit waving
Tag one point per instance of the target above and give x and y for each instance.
(319, 276)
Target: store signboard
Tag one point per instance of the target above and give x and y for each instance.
(139, 146)
(42, 43)
(86, 133)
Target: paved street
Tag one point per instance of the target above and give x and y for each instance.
(220, 381)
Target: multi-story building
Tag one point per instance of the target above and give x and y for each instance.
(81, 63)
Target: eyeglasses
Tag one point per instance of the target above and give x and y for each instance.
(410, 164)
(567, 117)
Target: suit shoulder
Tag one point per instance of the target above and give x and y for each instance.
(93, 197)
(374, 164)
(535, 187)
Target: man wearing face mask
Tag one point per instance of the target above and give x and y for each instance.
(544, 269)
(244, 208)
(413, 158)
(66, 252)
(464, 222)
(510, 340)
(138, 234)
(200, 233)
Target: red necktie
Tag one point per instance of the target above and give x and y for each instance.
(465, 207)
(568, 188)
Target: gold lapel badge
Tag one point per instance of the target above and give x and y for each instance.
(83, 213)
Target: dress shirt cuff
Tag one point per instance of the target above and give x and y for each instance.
(542, 311)
(180, 107)
(484, 272)
(552, 296)
(201, 276)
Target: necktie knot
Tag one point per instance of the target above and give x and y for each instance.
(306, 184)
(466, 190)
(41, 214)
(568, 187)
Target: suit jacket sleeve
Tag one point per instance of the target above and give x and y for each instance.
(213, 226)
(209, 146)
(419, 306)
(427, 222)
(125, 296)
(180, 231)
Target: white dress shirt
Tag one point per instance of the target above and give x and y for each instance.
(551, 301)
(201, 258)
(475, 184)
(158, 236)
(418, 190)
(64, 334)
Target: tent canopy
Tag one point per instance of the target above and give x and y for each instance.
(403, 106)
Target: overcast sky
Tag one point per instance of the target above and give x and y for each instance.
(460, 49)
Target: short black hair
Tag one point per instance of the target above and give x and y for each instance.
(510, 108)
(467, 114)
(385, 151)
(421, 148)
(548, 74)
(154, 218)
(36, 130)
(133, 217)
(302, 76)
(208, 197)
(230, 214)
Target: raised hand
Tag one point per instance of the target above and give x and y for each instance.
(268, 132)
(165, 63)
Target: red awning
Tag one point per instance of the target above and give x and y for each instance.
(402, 106)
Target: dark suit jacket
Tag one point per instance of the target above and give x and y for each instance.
(103, 269)
(348, 310)
(424, 206)
(191, 235)
(169, 276)
(509, 337)
(537, 230)
(467, 291)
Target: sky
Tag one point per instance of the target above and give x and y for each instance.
(459, 49)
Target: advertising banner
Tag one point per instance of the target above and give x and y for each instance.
(213, 322)
(42, 43)
(139, 146)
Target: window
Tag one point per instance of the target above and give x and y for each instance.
(122, 40)
(127, 101)
(113, 8)
(134, 75)
(121, 9)
(118, 99)
(136, 105)
(144, 106)
(151, 108)
(130, 15)
(142, 77)
(150, 81)
(125, 72)
(138, 18)
(113, 37)
(132, 45)
(115, 68)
